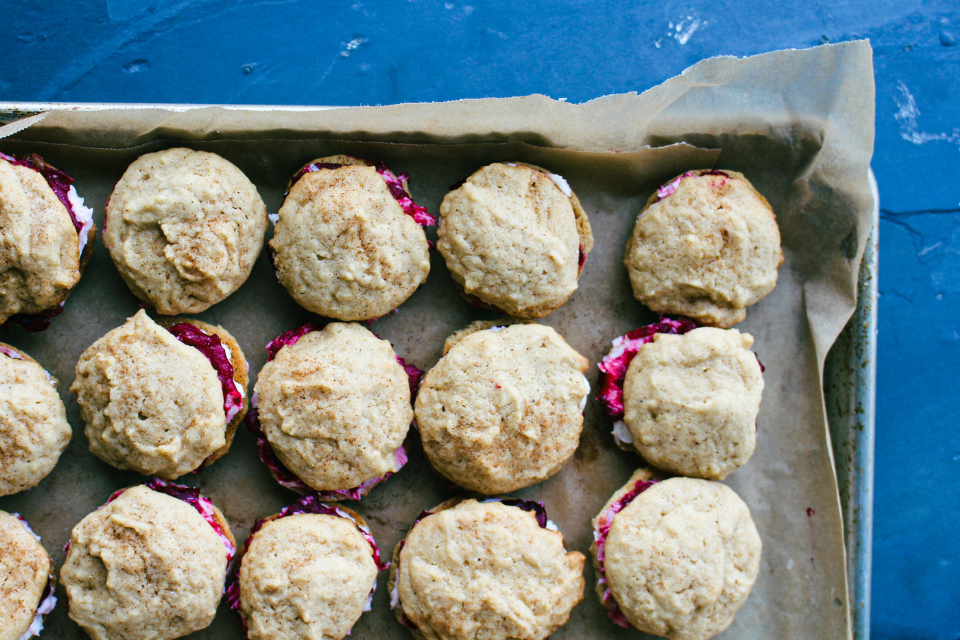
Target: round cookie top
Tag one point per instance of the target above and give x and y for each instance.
(184, 229)
(486, 570)
(503, 407)
(26, 571)
(305, 576)
(335, 406)
(682, 557)
(343, 246)
(150, 403)
(706, 246)
(145, 566)
(39, 245)
(691, 401)
(33, 423)
(515, 237)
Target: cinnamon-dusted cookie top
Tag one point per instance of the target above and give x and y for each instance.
(33, 423)
(348, 242)
(515, 238)
(335, 407)
(307, 575)
(46, 236)
(27, 571)
(503, 407)
(184, 229)
(691, 401)
(147, 566)
(680, 557)
(155, 404)
(471, 569)
(706, 246)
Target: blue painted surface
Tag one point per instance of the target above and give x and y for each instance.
(300, 52)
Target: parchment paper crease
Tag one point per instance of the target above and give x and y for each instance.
(799, 124)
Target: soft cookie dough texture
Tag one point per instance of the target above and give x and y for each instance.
(512, 238)
(151, 403)
(33, 423)
(39, 246)
(335, 406)
(184, 229)
(305, 576)
(343, 246)
(146, 566)
(26, 568)
(682, 557)
(708, 250)
(691, 401)
(486, 570)
(502, 408)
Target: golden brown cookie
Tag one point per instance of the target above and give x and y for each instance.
(26, 591)
(515, 238)
(46, 239)
(335, 407)
(184, 229)
(691, 402)
(161, 401)
(147, 565)
(503, 407)
(348, 244)
(308, 572)
(490, 570)
(675, 557)
(707, 246)
(33, 423)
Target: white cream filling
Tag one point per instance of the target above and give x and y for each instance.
(274, 218)
(11, 354)
(83, 214)
(561, 183)
(586, 394)
(621, 433)
(395, 594)
(552, 526)
(496, 328)
(25, 525)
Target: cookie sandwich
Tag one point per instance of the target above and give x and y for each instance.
(503, 408)
(184, 229)
(349, 241)
(515, 239)
(150, 564)
(46, 240)
(674, 557)
(309, 571)
(685, 398)
(495, 569)
(705, 246)
(26, 592)
(332, 408)
(162, 399)
(33, 422)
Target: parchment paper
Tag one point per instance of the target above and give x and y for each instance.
(799, 124)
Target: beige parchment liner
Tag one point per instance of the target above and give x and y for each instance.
(799, 124)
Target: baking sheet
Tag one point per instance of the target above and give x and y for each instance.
(799, 124)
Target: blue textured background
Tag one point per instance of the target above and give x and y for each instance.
(300, 52)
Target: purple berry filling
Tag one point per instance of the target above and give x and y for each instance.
(289, 338)
(581, 259)
(15, 356)
(306, 504)
(600, 533)
(396, 184)
(34, 322)
(613, 367)
(216, 352)
(414, 377)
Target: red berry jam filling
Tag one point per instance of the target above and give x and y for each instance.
(191, 495)
(667, 190)
(397, 184)
(600, 533)
(613, 367)
(218, 354)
